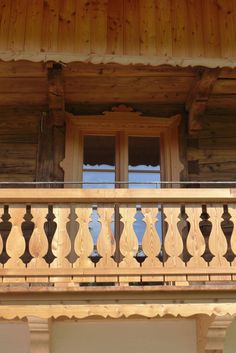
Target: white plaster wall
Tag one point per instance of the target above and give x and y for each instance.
(230, 339)
(14, 337)
(126, 336)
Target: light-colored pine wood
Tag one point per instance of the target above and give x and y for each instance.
(196, 244)
(106, 241)
(151, 243)
(217, 241)
(16, 36)
(66, 27)
(173, 244)
(83, 242)
(15, 245)
(163, 28)
(180, 30)
(5, 10)
(38, 245)
(128, 242)
(61, 244)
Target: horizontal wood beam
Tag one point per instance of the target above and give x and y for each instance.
(65, 196)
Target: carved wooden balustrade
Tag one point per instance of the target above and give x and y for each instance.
(117, 236)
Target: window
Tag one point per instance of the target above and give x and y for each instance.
(121, 146)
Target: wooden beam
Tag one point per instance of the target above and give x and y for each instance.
(52, 133)
(39, 334)
(198, 97)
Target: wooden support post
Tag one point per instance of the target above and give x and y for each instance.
(198, 97)
(211, 333)
(52, 132)
(39, 335)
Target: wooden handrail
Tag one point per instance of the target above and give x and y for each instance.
(70, 195)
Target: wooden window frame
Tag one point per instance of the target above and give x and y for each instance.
(123, 123)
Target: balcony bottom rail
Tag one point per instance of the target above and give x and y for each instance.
(145, 241)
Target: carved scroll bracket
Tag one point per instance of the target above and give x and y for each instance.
(39, 335)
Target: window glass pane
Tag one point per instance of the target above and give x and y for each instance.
(139, 178)
(99, 152)
(94, 178)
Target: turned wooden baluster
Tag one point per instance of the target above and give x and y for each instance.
(217, 242)
(173, 243)
(151, 243)
(61, 244)
(15, 245)
(38, 245)
(232, 212)
(128, 242)
(83, 243)
(106, 242)
(196, 244)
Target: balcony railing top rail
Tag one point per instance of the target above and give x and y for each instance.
(67, 195)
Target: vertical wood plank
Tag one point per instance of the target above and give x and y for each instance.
(66, 28)
(5, 11)
(151, 243)
(61, 244)
(227, 26)
(106, 242)
(131, 27)
(210, 27)
(15, 245)
(195, 242)
(147, 27)
(115, 27)
(83, 242)
(82, 27)
(163, 28)
(99, 26)
(33, 25)
(50, 25)
(196, 40)
(38, 244)
(17, 25)
(217, 242)
(180, 30)
(128, 242)
(173, 243)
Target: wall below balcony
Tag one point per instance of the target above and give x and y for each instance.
(128, 336)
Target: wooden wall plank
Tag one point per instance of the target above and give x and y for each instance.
(180, 28)
(99, 26)
(163, 28)
(131, 28)
(33, 25)
(5, 11)
(50, 25)
(82, 27)
(147, 27)
(211, 33)
(115, 27)
(17, 25)
(66, 28)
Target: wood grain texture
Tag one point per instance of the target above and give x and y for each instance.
(185, 28)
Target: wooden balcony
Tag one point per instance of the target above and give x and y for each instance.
(74, 237)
